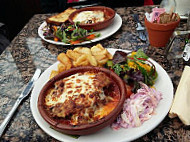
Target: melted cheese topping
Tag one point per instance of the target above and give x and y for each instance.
(89, 17)
(75, 85)
(81, 97)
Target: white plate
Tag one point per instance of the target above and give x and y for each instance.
(162, 84)
(110, 30)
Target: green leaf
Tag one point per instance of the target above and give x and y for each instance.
(117, 69)
(91, 30)
(126, 67)
(109, 63)
(140, 54)
(98, 35)
(64, 39)
(59, 34)
(143, 71)
(73, 34)
(153, 74)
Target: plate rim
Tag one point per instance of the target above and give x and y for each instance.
(72, 139)
(117, 18)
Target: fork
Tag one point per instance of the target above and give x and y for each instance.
(140, 29)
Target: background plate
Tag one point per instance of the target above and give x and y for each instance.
(163, 84)
(110, 30)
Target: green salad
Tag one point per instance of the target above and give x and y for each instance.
(133, 68)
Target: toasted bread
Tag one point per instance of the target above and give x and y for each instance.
(60, 18)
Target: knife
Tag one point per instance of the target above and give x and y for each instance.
(87, 5)
(24, 94)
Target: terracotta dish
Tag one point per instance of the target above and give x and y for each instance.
(109, 15)
(58, 123)
(159, 34)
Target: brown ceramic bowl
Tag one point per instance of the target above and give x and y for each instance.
(109, 17)
(90, 127)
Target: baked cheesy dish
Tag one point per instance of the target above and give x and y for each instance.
(82, 98)
(89, 17)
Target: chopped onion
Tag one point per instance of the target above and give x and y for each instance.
(138, 108)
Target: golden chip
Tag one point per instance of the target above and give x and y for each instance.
(92, 60)
(62, 57)
(53, 73)
(73, 54)
(81, 61)
(95, 50)
(110, 56)
(82, 56)
(98, 52)
(100, 57)
(61, 67)
(83, 50)
(100, 46)
(102, 62)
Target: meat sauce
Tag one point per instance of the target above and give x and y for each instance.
(85, 106)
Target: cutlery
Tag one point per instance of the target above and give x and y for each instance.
(24, 94)
(140, 29)
(87, 5)
(175, 34)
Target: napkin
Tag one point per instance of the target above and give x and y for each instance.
(181, 102)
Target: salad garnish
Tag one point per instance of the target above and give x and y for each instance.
(133, 68)
(69, 33)
(142, 98)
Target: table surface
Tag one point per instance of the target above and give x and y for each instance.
(28, 51)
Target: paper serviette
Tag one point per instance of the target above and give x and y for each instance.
(181, 102)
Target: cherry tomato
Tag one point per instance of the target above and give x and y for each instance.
(129, 91)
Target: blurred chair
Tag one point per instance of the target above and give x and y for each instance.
(4, 41)
(16, 13)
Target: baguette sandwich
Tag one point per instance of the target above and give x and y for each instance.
(60, 18)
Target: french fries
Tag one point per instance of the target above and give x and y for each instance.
(82, 56)
(83, 50)
(81, 61)
(64, 59)
(61, 67)
(92, 60)
(100, 52)
(53, 73)
(73, 55)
